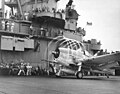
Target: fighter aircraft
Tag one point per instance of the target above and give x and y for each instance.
(78, 61)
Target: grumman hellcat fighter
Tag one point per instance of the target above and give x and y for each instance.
(78, 61)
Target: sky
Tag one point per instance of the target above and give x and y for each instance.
(105, 18)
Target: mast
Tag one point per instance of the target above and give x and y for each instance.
(20, 9)
(2, 2)
(15, 4)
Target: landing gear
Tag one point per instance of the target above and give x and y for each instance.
(58, 74)
(79, 75)
(107, 75)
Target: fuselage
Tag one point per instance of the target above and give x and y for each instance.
(69, 56)
(69, 59)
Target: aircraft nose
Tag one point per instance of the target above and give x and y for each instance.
(56, 53)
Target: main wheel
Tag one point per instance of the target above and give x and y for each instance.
(57, 76)
(107, 75)
(79, 75)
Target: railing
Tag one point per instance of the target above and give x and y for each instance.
(6, 25)
(14, 26)
(19, 27)
(44, 33)
(56, 15)
(11, 2)
(46, 12)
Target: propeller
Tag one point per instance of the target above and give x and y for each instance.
(56, 53)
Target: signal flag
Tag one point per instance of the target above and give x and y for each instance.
(89, 23)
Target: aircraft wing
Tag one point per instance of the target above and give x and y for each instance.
(50, 61)
(97, 60)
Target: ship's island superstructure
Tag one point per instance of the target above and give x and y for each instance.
(32, 25)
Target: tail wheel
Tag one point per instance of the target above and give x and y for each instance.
(79, 75)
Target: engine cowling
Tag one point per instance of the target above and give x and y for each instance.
(56, 53)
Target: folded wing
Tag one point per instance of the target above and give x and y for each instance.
(103, 59)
